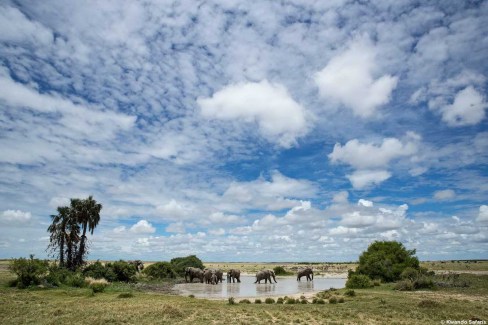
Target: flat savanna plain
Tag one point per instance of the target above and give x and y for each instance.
(146, 305)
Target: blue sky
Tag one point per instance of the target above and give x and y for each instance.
(246, 131)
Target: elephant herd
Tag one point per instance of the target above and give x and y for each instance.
(213, 276)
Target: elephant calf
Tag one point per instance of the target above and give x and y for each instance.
(210, 276)
(308, 272)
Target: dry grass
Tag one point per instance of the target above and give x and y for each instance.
(378, 305)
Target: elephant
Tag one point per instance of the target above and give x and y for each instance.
(265, 275)
(308, 272)
(193, 273)
(219, 275)
(233, 275)
(138, 265)
(210, 276)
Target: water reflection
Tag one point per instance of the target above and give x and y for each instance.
(305, 286)
(247, 288)
(263, 289)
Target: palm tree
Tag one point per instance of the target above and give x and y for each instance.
(88, 216)
(58, 232)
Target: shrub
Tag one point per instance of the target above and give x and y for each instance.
(96, 270)
(376, 283)
(304, 301)
(232, 301)
(320, 301)
(386, 260)
(341, 300)
(244, 301)
(423, 282)
(404, 285)
(290, 301)
(333, 300)
(269, 301)
(123, 271)
(350, 293)
(359, 281)
(180, 263)
(280, 270)
(57, 275)
(314, 300)
(75, 280)
(191, 296)
(160, 270)
(257, 301)
(409, 273)
(97, 285)
(29, 271)
(279, 300)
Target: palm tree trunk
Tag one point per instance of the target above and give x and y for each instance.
(79, 258)
(61, 250)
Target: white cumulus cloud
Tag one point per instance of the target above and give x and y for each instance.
(143, 227)
(349, 78)
(16, 216)
(468, 108)
(279, 117)
(483, 214)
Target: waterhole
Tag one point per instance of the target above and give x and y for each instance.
(247, 288)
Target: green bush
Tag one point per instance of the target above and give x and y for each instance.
(386, 260)
(410, 273)
(123, 271)
(279, 300)
(304, 301)
(232, 301)
(404, 285)
(57, 276)
(96, 270)
(29, 272)
(376, 283)
(180, 263)
(257, 301)
(290, 301)
(358, 281)
(341, 300)
(269, 301)
(333, 300)
(314, 300)
(98, 287)
(320, 301)
(160, 270)
(76, 280)
(350, 293)
(280, 270)
(244, 301)
(423, 282)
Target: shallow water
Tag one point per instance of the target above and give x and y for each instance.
(247, 288)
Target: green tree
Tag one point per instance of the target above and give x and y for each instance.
(87, 213)
(57, 229)
(386, 260)
(180, 263)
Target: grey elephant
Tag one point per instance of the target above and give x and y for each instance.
(220, 275)
(192, 273)
(210, 276)
(233, 275)
(308, 272)
(265, 275)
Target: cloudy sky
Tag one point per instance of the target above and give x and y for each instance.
(246, 130)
